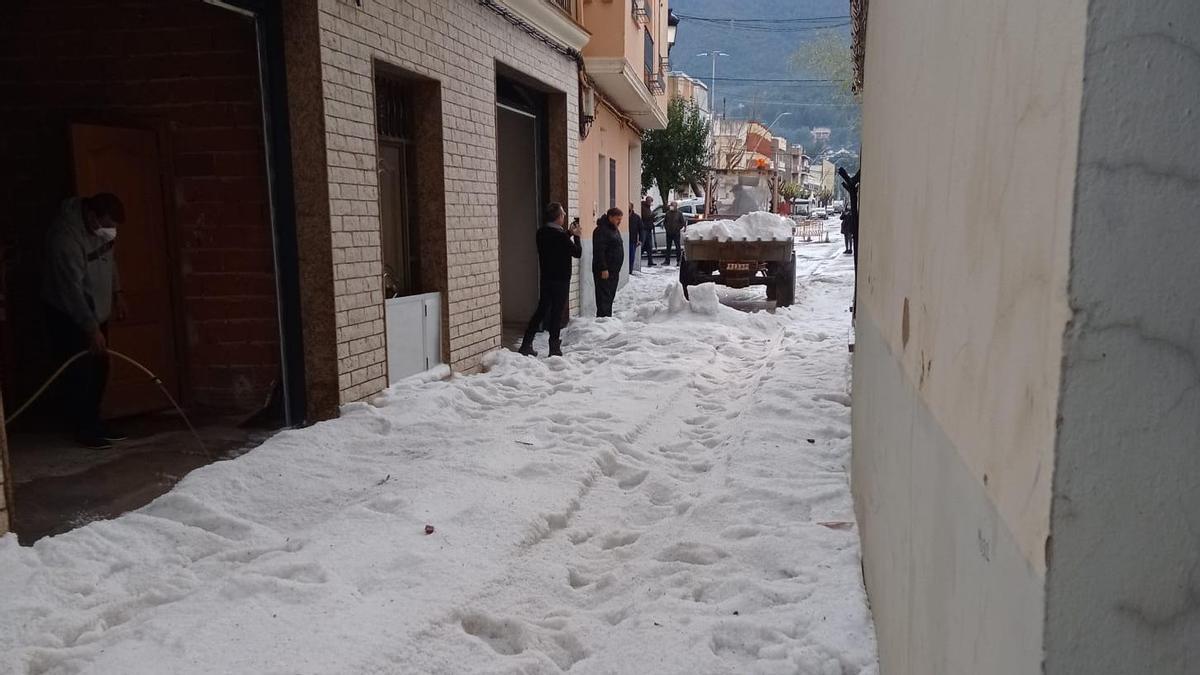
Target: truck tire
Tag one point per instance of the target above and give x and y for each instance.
(785, 283)
(687, 275)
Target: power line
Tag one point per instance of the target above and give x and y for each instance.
(774, 29)
(775, 20)
(775, 80)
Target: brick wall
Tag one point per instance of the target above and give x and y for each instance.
(458, 43)
(189, 71)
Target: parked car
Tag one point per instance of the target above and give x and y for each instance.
(838, 206)
(819, 213)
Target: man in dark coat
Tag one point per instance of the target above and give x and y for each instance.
(648, 229)
(556, 247)
(608, 255)
(673, 223)
(850, 230)
(635, 236)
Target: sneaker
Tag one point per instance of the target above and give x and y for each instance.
(94, 443)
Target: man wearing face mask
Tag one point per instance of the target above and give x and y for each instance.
(81, 291)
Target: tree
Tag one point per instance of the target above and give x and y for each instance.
(789, 190)
(678, 155)
(828, 56)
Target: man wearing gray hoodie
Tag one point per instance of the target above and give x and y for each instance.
(81, 291)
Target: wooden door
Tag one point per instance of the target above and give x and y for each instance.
(125, 162)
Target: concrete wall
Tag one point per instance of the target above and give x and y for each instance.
(1123, 588)
(961, 314)
(457, 43)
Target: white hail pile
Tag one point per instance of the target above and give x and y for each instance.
(752, 226)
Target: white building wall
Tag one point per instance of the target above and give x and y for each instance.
(962, 306)
(1123, 588)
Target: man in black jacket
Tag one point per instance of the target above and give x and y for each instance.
(648, 229)
(673, 224)
(556, 247)
(635, 236)
(608, 256)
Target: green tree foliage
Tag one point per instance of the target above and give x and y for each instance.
(828, 56)
(789, 190)
(678, 155)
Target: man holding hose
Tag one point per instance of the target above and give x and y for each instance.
(81, 292)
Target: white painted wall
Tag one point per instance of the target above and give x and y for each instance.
(970, 128)
(1123, 588)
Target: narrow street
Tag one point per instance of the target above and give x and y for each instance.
(670, 497)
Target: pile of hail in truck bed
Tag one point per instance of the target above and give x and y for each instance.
(757, 225)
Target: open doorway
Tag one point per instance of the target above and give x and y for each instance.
(523, 174)
(412, 215)
(162, 105)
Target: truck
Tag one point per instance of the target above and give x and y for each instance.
(740, 263)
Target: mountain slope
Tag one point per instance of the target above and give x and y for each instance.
(765, 50)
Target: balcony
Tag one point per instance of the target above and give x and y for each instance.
(656, 78)
(559, 19)
(623, 57)
(640, 10)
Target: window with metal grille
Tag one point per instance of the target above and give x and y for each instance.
(397, 187)
(649, 55)
(612, 183)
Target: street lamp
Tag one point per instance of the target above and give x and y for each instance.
(776, 120)
(712, 91)
(672, 29)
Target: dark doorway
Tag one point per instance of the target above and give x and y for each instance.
(165, 104)
(523, 185)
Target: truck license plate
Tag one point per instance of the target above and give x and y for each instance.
(737, 267)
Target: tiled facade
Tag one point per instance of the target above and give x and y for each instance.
(458, 43)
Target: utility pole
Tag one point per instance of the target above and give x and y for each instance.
(714, 54)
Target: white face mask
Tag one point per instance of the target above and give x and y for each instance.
(106, 233)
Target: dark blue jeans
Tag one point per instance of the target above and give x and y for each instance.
(673, 239)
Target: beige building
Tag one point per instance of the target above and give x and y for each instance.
(682, 85)
(1025, 365)
(625, 93)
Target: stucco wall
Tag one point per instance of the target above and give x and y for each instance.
(611, 138)
(1123, 588)
(962, 285)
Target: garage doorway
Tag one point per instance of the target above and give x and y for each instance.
(522, 167)
(169, 106)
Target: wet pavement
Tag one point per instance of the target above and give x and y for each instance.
(59, 486)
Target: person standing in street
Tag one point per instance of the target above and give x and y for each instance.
(635, 236)
(556, 247)
(608, 255)
(648, 229)
(850, 230)
(81, 291)
(673, 223)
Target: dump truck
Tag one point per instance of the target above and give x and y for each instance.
(739, 261)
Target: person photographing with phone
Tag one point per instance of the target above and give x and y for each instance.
(557, 246)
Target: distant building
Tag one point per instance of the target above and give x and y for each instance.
(682, 85)
(821, 135)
